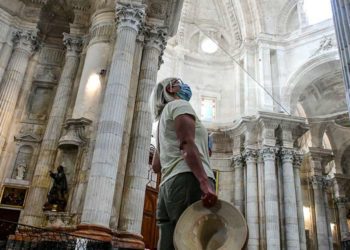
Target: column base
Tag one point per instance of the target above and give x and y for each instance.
(126, 241)
(94, 232)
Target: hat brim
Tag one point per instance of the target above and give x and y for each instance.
(220, 227)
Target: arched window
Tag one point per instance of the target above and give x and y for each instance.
(317, 10)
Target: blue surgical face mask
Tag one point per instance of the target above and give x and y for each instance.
(185, 92)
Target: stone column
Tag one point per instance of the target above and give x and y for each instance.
(299, 200)
(25, 43)
(271, 199)
(252, 199)
(319, 158)
(100, 189)
(239, 187)
(342, 213)
(289, 200)
(96, 60)
(5, 56)
(136, 170)
(320, 212)
(341, 13)
(41, 180)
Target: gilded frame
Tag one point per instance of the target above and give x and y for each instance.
(13, 196)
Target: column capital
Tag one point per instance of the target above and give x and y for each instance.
(298, 159)
(237, 161)
(287, 155)
(130, 16)
(250, 155)
(269, 153)
(341, 200)
(26, 40)
(319, 181)
(73, 43)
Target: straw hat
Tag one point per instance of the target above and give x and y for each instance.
(220, 227)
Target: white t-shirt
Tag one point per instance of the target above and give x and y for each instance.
(171, 158)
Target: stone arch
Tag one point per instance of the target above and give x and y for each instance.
(308, 72)
(284, 16)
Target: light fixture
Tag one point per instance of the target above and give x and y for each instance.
(209, 46)
(93, 83)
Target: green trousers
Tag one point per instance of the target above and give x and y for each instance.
(175, 195)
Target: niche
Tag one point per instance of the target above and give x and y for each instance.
(40, 101)
(22, 169)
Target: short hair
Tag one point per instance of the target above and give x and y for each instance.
(160, 97)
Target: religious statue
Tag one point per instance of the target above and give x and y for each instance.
(21, 170)
(56, 197)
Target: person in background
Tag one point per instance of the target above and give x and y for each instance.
(182, 157)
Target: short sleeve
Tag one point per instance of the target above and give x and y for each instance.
(181, 107)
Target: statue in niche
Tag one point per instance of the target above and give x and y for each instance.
(56, 197)
(21, 170)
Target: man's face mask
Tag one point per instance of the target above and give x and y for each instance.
(185, 92)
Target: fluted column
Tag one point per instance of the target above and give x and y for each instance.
(239, 186)
(320, 212)
(252, 216)
(342, 213)
(341, 14)
(25, 43)
(299, 200)
(41, 180)
(289, 199)
(136, 171)
(271, 199)
(99, 195)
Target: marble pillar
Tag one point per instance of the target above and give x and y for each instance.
(341, 202)
(289, 200)
(341, 18)
(239, 186)
(25, 43)
(271, 199)
(100, 189)
(299, 200)
(41, 180)
(252, 215)
(5, 55)
(320, 212)
(137, 166)
(96, 60)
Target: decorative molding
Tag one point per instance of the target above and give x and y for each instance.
(156, 37)
(298, 159)
(130, 16)
(73, 44)
(237, 161)
(75, 135)
(341, 200)
(287, 155)
(101, 32)
(269, 153)
(52, 56)
(250, 155)
(26, 40)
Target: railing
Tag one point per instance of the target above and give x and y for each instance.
(15, 236)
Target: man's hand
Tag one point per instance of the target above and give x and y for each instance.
(209, 197)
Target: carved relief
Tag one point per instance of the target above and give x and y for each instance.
(326, 44)
(39, 103)
(30, 133)
(26, 40)
(157, 10)
(130, 16)
(52, 56)
(47, 74)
